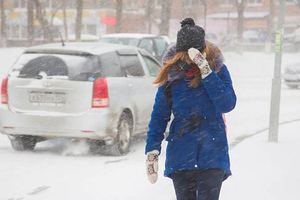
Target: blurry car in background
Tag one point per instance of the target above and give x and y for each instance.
(83, 38)
(97, 91)
(297, 38)
(294, 38)
(255, 36)
(155, 45)
(291, 75)
(229, 42)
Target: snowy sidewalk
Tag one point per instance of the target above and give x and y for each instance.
(261, 171)
(266, 171)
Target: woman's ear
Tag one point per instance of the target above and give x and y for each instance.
(204, 54)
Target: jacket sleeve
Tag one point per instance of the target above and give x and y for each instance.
(159, 119)
(220, 90)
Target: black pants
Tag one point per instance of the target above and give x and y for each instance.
(198, 184)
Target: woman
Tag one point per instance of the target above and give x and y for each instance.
(195, 86)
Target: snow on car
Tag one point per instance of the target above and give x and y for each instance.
(291, 75)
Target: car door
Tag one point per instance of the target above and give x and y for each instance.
(109, 63)
(138, 87)
(151, 67)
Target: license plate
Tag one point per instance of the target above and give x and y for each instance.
(47, 97)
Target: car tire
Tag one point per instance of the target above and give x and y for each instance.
(23, 142)
(121, 145)
(122, 142)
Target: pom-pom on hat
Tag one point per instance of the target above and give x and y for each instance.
(190, 35)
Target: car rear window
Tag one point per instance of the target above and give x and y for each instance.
(73, 67)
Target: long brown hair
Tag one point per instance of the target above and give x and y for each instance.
(211, 51)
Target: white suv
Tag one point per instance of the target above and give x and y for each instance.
(98, 91)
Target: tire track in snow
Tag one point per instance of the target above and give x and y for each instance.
(35, 191)
(38, 190)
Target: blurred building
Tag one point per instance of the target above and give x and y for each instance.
(219, 17)
(93, 18)
(222, 18)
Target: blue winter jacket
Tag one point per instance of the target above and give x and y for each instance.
(205, 146)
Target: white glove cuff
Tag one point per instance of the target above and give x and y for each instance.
(153, 152)
(205, 71)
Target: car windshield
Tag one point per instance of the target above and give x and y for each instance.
(60, 66)
(124, 41)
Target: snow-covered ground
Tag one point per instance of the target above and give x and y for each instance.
(261, 171)
(266, 171)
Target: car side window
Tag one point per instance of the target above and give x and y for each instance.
(110, 65)
(152, 66)
(147, 44)
(132, 65)
(161, 46)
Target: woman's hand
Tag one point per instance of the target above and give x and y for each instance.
(199, 59)
(152, 166)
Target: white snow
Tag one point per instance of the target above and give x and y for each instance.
(60, 169)
(266, 171)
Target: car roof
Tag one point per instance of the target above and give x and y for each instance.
(129, 35)
(80, 48)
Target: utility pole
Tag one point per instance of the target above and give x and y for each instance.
(268, 45)
(276, 82)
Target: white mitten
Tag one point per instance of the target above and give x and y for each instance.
(199, 59)
(152, 165)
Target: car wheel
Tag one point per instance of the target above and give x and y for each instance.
(124, 134)
(123, 138)
(23, 142)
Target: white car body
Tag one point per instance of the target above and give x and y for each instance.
(58, 106)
